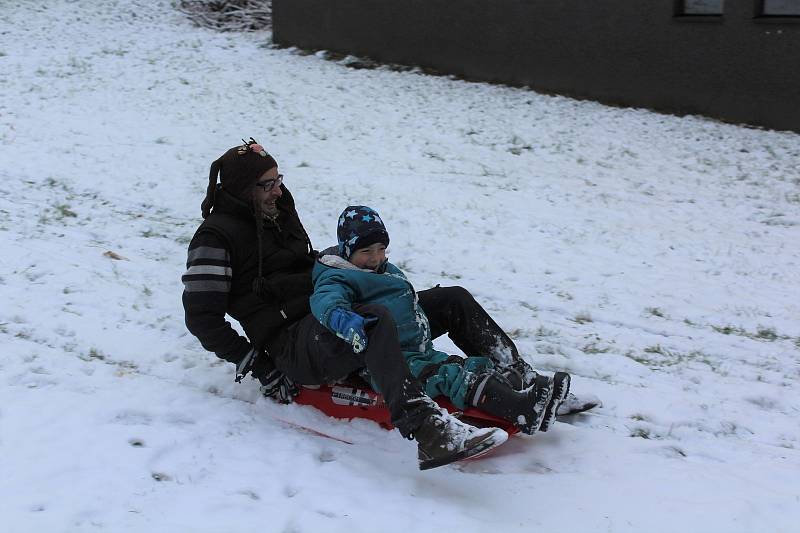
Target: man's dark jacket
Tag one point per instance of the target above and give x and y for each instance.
(223, 264)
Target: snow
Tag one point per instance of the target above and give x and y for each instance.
(653, 257)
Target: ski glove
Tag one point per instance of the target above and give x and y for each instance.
(351, 327)
(246, 364)
(278, 386)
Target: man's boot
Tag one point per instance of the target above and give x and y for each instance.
(525, 409)
(443, 439)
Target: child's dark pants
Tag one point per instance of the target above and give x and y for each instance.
(454, 311)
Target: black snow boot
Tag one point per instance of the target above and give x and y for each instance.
(520, 374)
(443, 439)
(560, 390)
(525, 409)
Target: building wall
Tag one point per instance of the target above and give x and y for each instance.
(737, 67)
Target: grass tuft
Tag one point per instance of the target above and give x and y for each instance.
(583, 317)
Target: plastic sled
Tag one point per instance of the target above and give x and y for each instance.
(353, 398)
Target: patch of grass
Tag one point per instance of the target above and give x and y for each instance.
(583, 317)
(450, 275)
(149, 233)
(639, 417)
(762, 333)
(766, 334)
(96, 354)
(655, 311)
(676, 451)
(729, 330)
(657, 349)
(642, 433)
(593, 348)
(658, 357)
(763, 402)
(404, 265)
(114, 52)
(64, 211)
(542, 331)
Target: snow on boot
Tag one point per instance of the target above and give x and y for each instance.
(577, 404)
(443, 439)
(520, 374)
(560, 390)
(525, 409)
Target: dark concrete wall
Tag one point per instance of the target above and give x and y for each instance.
(738, 67)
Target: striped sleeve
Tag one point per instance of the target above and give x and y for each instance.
(207, 283)
(208, 269)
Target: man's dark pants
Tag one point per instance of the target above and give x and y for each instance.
(314, 355)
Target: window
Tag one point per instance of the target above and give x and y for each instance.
(700, 7)
(781, 8)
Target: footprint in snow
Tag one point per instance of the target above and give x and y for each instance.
(326, 456)
(250, 494)
(160, 476)
(133, 418)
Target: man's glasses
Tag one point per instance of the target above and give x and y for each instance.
(268, 185)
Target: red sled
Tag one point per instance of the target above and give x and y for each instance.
(354, 400)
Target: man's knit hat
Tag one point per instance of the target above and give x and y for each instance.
(239, 169)
(359, 227)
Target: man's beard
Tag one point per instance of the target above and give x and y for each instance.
(269, 210)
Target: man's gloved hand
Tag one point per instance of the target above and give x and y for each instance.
(278, 386)
(351, 327)
(274, 384)
(247, 363)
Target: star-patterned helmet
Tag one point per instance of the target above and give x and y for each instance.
(359, 227)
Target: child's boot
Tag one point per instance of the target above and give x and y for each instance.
(560, 390)
(577, 404)
(520, 374)
(525, 409)
(443, 439)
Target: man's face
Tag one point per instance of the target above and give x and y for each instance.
(370, 257)
(267, 190)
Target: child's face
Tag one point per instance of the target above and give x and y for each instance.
(370, 257)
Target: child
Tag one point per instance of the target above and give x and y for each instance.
(357, 272)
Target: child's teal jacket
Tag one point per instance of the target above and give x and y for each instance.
(339, 283)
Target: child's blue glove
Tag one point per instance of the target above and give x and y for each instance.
(351, 327)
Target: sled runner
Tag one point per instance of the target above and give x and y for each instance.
(352, 399)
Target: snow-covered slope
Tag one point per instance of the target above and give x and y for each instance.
(654, 257)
